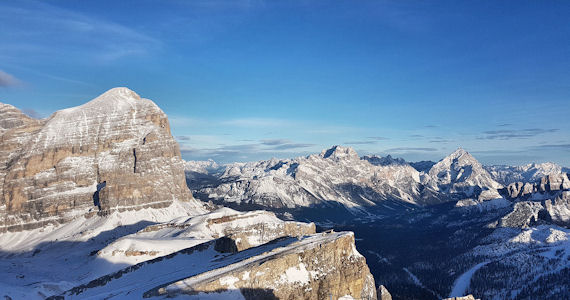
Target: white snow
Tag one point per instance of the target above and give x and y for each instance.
(296, 274)
(461, 284)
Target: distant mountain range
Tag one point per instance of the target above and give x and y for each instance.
(428, 229)
(338, 176)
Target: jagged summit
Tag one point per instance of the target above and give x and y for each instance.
(461, 174)
(385, 160)
(339, 152)
(460, 153)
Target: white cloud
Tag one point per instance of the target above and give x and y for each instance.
(7, 80)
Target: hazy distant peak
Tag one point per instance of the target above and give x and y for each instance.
(339, 152)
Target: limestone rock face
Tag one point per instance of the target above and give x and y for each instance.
(313, 268)
(526, 213)
(523, 215)
(383, 293)
(559, 209)
(547, 186)
(112, 153)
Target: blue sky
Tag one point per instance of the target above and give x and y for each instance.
(248, 80)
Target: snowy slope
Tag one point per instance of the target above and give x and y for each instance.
(338, 175)
(527, 173)
(335, 175)
(51, 260)
(459, 176)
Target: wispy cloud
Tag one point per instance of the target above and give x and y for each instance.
(438, 139)
(257, 122)
(361, 142)
(183, 138)
(54, 32)
(246, 151)
(274, 142)
(377, 138)
(563, 147)
(400, 149)
(292, 146)
(7, 80)
(515, 134)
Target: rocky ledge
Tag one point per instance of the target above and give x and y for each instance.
(313, 267)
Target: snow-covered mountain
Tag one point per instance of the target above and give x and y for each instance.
(527, 173)
(114, 152)
(459, 176)
(336, 175)
(339, 176)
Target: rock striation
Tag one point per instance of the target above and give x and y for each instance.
(113, 153)
(547, 187)
(242, 230)
(319, 266)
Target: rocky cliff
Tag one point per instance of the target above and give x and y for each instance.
(113, 153)
(545, 187)
(315, 267)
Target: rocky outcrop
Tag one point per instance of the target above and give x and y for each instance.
(383, 293)
(112, 153)
(523, 215)
(547, 187)
(241, 230)
(315, 267)
(527, 213)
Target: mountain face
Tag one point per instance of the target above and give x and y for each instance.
(384, 161)
(336, 175)
(339, 176)
(527, 173)
(112, 153)
(459, 176)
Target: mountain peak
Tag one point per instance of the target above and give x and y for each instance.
(119, 93)
(459, 152)
(339, 152)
